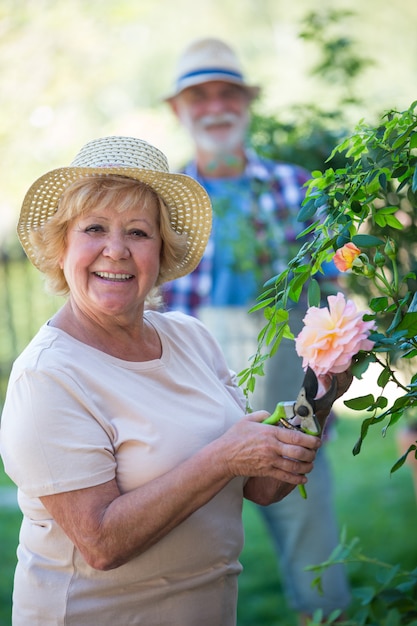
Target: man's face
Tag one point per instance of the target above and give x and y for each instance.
(216, 115)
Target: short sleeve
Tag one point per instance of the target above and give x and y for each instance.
(50, 440)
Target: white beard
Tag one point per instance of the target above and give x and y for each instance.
(215, 139)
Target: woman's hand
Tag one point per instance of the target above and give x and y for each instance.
(275, 459)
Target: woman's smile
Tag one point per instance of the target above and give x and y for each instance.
(114, 277)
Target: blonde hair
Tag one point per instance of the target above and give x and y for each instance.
(80, 198)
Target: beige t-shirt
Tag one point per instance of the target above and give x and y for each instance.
(75, 417)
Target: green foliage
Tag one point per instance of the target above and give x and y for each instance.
(312, 132)
(362, 485)
(25, 306)
(391, 600)
(307, 140)
(340, 61)
(370, 201)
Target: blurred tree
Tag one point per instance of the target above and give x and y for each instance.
(308, 133)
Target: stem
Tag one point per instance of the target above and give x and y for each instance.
(388, 290)
(395, 270)
(393, 377)
(303, 492)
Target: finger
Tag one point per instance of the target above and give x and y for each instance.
(297, 438)
(292, 472)
(257, 416)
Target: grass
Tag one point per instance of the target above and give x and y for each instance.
(378, 508)
(10, 519)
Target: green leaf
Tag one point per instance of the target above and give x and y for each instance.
(361, 364)
(307, 211)
(365, 594)
(261, 305)
(296, 286)
(356, 206)
(380, 220)
(394, 222)
(276, 344)
(383, 180)
(388, 210)
(400, 171)
(313, 293)
(251, 384)
(413, 141)
(384, 377)
(274, 279)
(395, 322)
(379, 304)
(400, 462)
(381, 403)
(413, 303)
(270, 334)
(401, 140)
(244, 375)
(364, 431)
(386, 576)
(321, 200)
(360, 403)
(367, 241)
(409, 323)
(400, 403)
(280, 316)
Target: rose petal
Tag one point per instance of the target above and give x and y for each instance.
(332, 336)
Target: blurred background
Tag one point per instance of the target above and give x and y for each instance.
(74, 71)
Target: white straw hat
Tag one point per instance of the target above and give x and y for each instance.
(187, 201)
(206, 60)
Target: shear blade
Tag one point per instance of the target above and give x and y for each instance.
(310, 384)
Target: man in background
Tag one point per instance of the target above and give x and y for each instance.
(255, 205)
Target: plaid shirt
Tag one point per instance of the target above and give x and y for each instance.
(276, 193)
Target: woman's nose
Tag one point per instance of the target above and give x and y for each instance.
(116, 247)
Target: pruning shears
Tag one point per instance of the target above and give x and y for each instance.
(301, 414)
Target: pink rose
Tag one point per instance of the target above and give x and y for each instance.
(332, 336)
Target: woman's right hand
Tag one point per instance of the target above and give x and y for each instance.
(263, 451)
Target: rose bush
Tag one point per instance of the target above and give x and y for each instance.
(364, 217)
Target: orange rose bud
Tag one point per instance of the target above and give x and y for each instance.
(344, 257)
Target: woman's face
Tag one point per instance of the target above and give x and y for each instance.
(112, 259)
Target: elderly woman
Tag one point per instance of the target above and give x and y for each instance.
(123, 427)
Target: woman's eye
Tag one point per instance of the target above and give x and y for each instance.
(94, 228)
(137, 232)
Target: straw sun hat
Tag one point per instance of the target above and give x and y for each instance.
(209, 59)
(187, 201)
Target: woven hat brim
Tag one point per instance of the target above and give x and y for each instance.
(188, 203)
